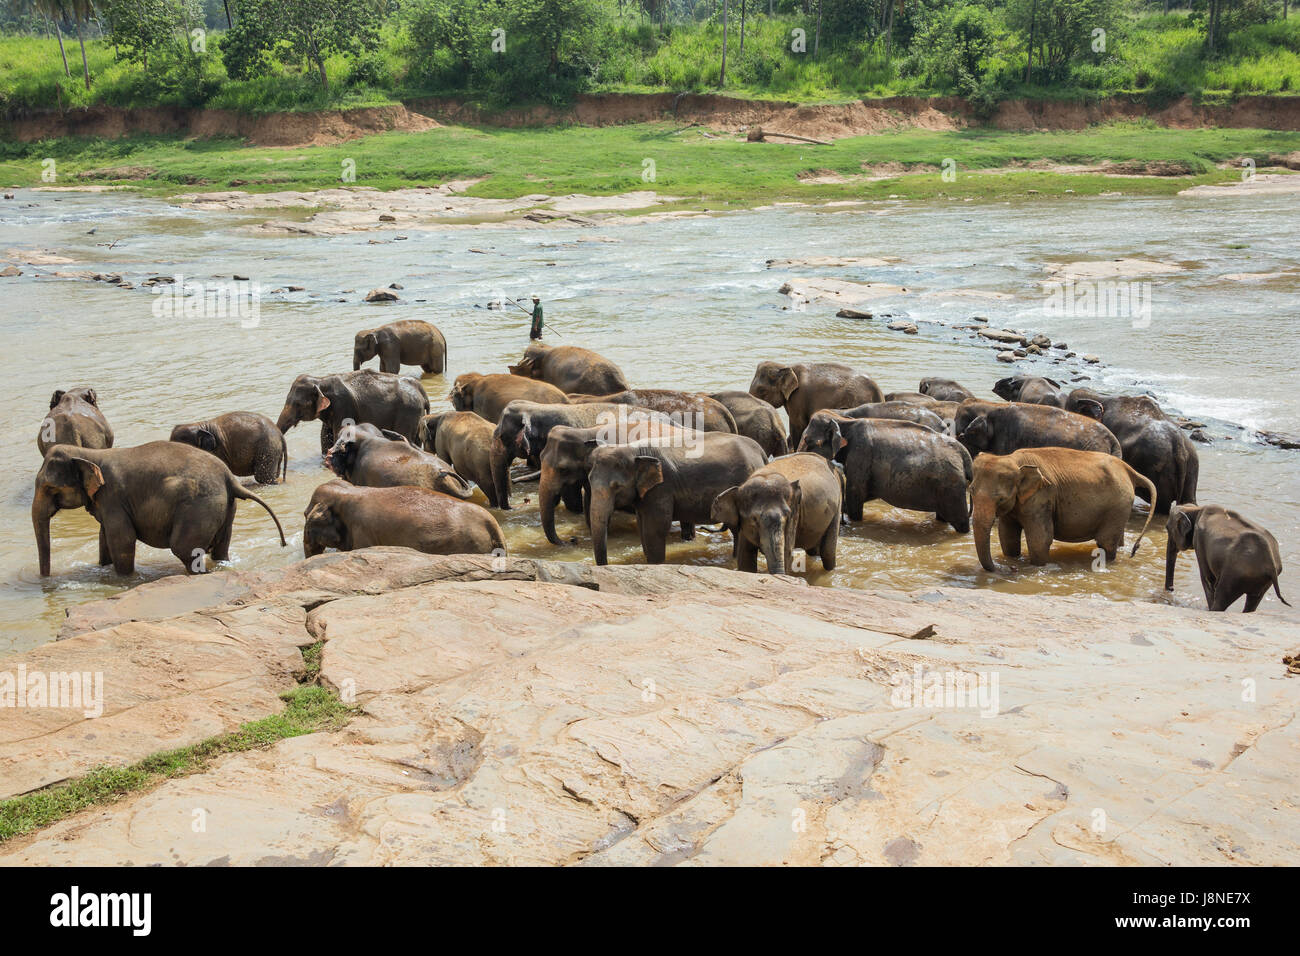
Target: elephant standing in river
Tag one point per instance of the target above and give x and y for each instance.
(1030, 389)
(343, 516)
(247, 442)
(664, 484)
(166, 494)
(1235, 556)
(1151, 442)
(756, 419)
(689, 409)
(488, 395)
(408, 342)
(902, 411)
(75, 419)
(1001, 428)
(791, 502)
(571, 369)
(465, 441)
(382, 399)
(944, 390)
(902, 463)
(1060, 494)
(804, 389)
(365, 455)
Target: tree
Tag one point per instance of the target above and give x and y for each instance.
(562, 29)
(52, 10)
(307, 29)
(141, 29)
(722, 74)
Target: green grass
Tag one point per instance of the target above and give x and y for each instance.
(309, 710)
(699, 170)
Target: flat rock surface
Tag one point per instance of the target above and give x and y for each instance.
(536, 712)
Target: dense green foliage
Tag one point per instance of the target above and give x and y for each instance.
(309, 54)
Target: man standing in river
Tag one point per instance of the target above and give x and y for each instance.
(536, 331)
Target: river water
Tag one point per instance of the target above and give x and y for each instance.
(678, 303)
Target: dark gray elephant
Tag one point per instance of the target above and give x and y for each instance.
(395, 402)
(75, 419)
(247, 442)
(791, 502)
(902, 411)
(903, 464)
(944, 390)
(756, 419)
(689, 409)
(374, 458)
(1151, 442)
(1030, 389)
(344, 516)
(571, 369)
(1235, 555)
(524, 426)
(804, 389)
(663, 484)
(166, 494)
(1001, 428)
(408, 342)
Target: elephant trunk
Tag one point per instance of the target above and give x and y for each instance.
(1171, 558)
(548, 493)
(602, 507)
(773, 535)
(450, 483)
(501, 459)
(44, 507)
(982, 513)
(286, 420)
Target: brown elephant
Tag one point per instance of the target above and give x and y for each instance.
(693, 410)
(567, 458)
(902, 463)
(756, 419)
(75, 419)
(1000, 428)
(571, 369)
(247, 442)
(663, 484)
(804, 389)
(1150, 441)
(382, 399)
(1053, 494)
(1235, 556)
(408, 342)
(947, 410)
(1030, 389)
(944, 390)
(791, 502)
(166, 494)
(488, 395)
(901, 411)
(365, 455)
(346, 517)
(465, 440)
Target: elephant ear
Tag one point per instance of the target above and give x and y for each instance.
(322, 401)
(787, 381)
(207, 440)
(1182, 525)
(838, 441)
(649, 474)
(724, 509)
(393, 436)
(523, 441)
(796, 496)
(91, 477)
(1030, 482)
(54, 399)
(977, 428)
(1091, 408)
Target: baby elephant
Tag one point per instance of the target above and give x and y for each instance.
(465, 440)
(247, 442)
(1235, 555)
(378, 458)
(408, 342)
(75, 419)
(341, 515)
(1053, 494)
(791, 502)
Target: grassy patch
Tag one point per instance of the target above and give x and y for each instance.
(308, 710)
(698, 170)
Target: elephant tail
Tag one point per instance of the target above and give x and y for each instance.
(1136, 476)
(1278, 592)
(729, 419)
(284, 459)
(239, 491)
(1191, 477)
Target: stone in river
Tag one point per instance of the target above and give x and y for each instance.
(381, 295)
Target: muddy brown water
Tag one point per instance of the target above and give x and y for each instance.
(679, 304)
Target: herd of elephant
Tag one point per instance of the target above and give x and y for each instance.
(1051, 465)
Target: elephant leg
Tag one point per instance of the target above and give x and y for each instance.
(119, 536)
(1252, 600)
(266, 468)
(105, 556)
(688, 531)
(1039, 540)
(653, 523)
(326, 436)
(1009, 537)
(853, 506)
(746, 555)
(572, 497)
(829, 542)
(221, 544)
(1208, 586)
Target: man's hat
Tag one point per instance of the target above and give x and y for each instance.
(537, 298)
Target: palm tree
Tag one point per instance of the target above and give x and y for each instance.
(82, 11)
(722, 76)
(52, 10)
